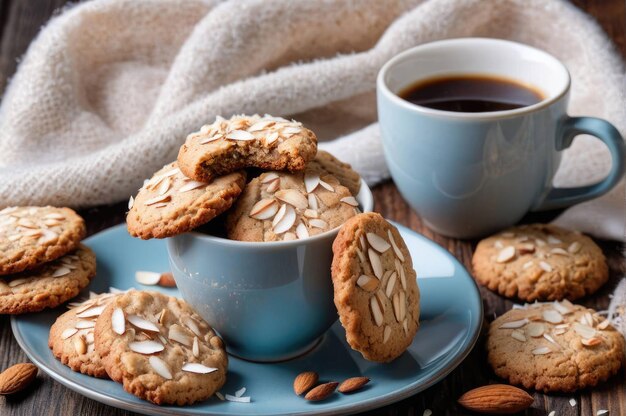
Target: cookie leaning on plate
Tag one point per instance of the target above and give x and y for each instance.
(71, 336)
(49, 285)
(554, 347)
(271, 143)
(160, 349)
(31, 236)
(170, 203)
(540, 262)
(375, 287)
(279, 206)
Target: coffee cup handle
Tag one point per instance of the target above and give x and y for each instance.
(603, 130)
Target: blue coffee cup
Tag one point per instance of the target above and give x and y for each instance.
(471, 174)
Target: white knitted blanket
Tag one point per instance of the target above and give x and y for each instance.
(110, 88)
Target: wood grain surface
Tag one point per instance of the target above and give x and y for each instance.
(20, 21)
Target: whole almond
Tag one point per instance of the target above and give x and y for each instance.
(167, 280)
(496, 399)
(305, 382)
(353, 384)
(17, 378)
(322, 391)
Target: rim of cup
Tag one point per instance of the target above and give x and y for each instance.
(381, 82)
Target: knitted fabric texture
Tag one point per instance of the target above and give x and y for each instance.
(109, 89)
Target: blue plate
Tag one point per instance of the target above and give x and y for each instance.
(451, 316)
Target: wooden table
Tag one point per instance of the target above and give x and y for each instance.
(20, 21)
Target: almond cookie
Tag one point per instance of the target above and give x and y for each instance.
(225, 146)
(375, 286)
(31, 236)
(282, 206)
(170, 203)
(554, 347)
(72, 336)
(344, 173)
(160, 349)
(49, 285)
(540, 262)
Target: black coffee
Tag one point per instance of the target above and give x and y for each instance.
(471, 94)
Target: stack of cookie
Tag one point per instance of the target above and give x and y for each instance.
(42, 262)
(302, 192)
(551, 346)
(154, 344)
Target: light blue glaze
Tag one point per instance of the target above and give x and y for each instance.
(471, 174)
(269, 301)
(450, 320)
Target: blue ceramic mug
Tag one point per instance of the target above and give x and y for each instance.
(470, 174)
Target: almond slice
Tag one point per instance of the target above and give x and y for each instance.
(178, 334)
(287, 221)
(239, 135)
(311, 181)
(264, 209)
(261, 125)
(377, 265)
(535, 329)
(377, 314)
(198, 368)
(350, 200)
(91, 312)
(541, 351)
(302, 232)
(396, 249)
(195, 349)
(518, 335)
(83, 324)
(159, 198)
(574, 247)
(391, 284)
(292, 197)
(279, 215)
(80, 345)
(552, 316)
(160, 367)
(47, 237)
(17, 282)
(545, 266)
(559, 251)
(118, 323)
(164, 186)
(61, 271)
(192, 325)
(386, 334)
(190, 186)
(317, 223)
(313, 201)
(553, 240)
(269, 177)
(514, 324)
(327, 186)
(583, 330)
(506, 254)
(147, 278)
(590, 342)
(378, 243)
(272, 137)
(367, 283)
(68, 333)
(142, 323)
(146, 347)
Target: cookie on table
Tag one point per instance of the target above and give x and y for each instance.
(540, 262)
(344, 173)
(267, 142)
(279, 206)
(31, 236)
(160, 349)
(170, 203)
(376, 292)
(72, 336)
(554, 347)
(49, 285)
